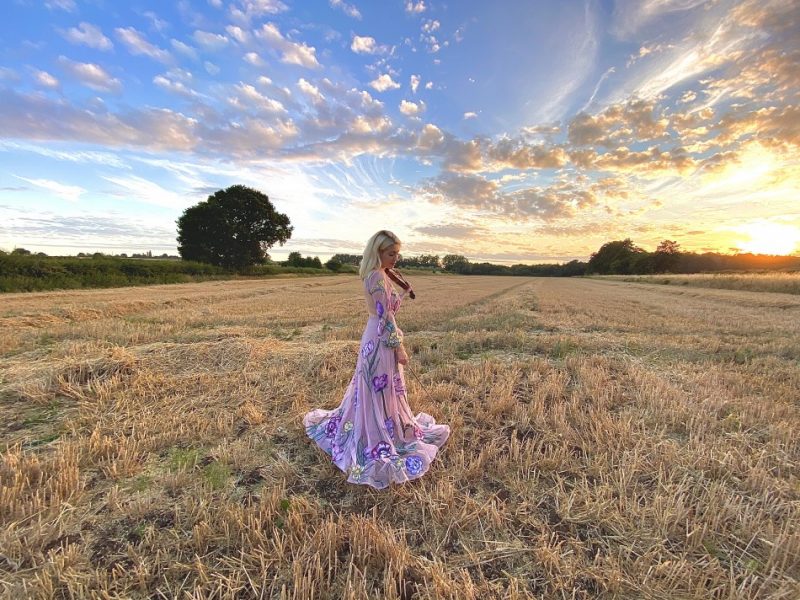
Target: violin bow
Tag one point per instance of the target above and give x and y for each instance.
(396, 276)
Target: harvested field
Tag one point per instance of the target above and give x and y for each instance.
(610, 439)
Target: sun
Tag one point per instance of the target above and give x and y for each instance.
(770, 238)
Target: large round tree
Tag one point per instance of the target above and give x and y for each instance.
(233, 228)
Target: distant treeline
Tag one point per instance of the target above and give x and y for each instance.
(21, 272)
(620, 257)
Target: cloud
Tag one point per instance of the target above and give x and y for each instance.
(367, 45)
(453, 231)
(348, 9)
(238, 34)
(634, 121)
(90, 75)
(39, 118)
(310, 90)
(67, 5)
(291, 52)
(415, 7)
(414, 83)
(44, 79)
(252, 97)
(383, 83)
(412, 109)
(88, 35)
(474, 192)
(184, 49)
(210, 41)
(254, 59)
(138, 45)
(470, 115)
(631, 15)
(77, 156)
(517, 154)
(174, 86)
(84, 232)
(248, 9)
(63, 191)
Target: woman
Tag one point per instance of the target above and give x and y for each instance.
(373, 436)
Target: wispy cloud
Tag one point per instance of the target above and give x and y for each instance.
(291, 52)
(66, 192)
(138, 45)
(348, 9)
(90, 75)
(88, 35)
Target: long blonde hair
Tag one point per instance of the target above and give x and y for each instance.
(372, 258)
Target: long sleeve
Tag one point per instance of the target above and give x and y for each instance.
(384, 307)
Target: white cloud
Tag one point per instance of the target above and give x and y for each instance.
(88, 35)
(255, 98)
(174, 86)
(143, 190)
(310, 90)
(254, 59)
(470, 115)
(414, 83)
(91, 75)
(184, 49)
(44, 79)
(292, 52)
(211, 68)
(632, 15)
(237, 33)
(366, 45)
(415, 7)
(383, 83)
(348, 9)
(138, 45)
(215, 3)
(256, 8)
(412, 109)
(431, 25)
(63, 191)
(429, 85)
(67, 5)
(158, 23)
(210, 41)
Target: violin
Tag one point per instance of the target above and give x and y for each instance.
(395, 276)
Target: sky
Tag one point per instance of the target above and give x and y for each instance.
(509, 132)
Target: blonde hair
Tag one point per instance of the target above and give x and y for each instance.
(372, 259)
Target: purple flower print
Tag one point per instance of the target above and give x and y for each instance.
(389, 423)
(367, 349)
(379, 308)
(379, 382)
(336, 451)
(381, 450)
(399, 388)
(414, 465)
(332, 426)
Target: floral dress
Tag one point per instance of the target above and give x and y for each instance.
(372, 435)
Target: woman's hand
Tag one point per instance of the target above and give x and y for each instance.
(402, 356)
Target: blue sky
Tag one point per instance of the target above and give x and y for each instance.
(508, 132)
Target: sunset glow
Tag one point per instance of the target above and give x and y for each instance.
(527, 132)
(771, 238)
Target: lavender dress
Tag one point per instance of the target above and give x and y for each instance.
(373, 436)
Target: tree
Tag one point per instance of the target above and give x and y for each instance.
(21, 252)
(455, 263)
(667, 256)
(614, 257)
(233, 228)
(333, 264)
